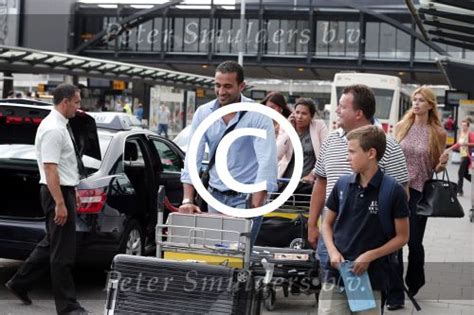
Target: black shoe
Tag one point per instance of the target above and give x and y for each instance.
(394, 307)
(20, 294)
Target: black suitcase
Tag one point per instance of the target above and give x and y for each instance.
(283, 232)
(147, 285)
(299, 266)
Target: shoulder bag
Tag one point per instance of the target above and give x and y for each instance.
(198, 200)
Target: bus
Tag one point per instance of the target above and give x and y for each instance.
(392, 101)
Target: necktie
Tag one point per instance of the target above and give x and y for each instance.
(80, 165)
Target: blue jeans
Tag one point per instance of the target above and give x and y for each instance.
(237, 201)
(322, 255)
(163, 128)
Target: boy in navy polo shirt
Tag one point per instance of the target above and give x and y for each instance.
(353, 229)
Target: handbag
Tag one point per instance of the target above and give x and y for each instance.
(198, 200)
(439, 199)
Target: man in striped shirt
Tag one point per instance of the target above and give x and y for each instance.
(356, 108)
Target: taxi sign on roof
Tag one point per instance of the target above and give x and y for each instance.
(115, 120)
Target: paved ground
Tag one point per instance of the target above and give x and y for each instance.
(449, 245)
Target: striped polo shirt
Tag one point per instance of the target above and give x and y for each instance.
(332, 160)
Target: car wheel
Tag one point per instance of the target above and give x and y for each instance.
(132, 241)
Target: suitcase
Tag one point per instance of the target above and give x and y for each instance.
(288, 262)
(295, 270)
(287, 226)
(279, 230)
(146, 285)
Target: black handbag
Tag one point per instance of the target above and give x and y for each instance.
(198, 200)
(439, 199)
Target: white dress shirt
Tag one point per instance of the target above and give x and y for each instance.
(53, 144)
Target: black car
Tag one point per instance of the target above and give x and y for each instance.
(125, 165)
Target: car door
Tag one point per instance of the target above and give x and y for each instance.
(169, 162)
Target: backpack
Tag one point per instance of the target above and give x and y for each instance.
(385, 217)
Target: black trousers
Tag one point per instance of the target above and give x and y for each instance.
(55, 253)
(415, 276)
(463, 172)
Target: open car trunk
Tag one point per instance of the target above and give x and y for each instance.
(19, 174)
(18, 125)
(19, 190)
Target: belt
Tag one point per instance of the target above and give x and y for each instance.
(226, 192)
(62, 186)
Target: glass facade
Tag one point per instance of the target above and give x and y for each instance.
(272, 37)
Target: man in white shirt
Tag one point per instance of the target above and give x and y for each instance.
(59, 176)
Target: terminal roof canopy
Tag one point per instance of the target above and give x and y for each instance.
(450, 22)
(19, 59)
(459, 73)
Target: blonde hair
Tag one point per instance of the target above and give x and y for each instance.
(435, 147)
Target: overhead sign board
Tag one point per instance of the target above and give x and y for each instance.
(118, 85)
(453, 97)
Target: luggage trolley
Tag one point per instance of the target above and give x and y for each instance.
(202, 267)
(295, 268)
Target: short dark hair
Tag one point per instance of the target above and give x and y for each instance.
(62, 91)
(231, 66)
(278, 99)
(308, 103)
(364, 99)
(369, 137)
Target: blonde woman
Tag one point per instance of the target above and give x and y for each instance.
(422, 139)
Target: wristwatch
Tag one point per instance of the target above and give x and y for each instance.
(187, 201)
